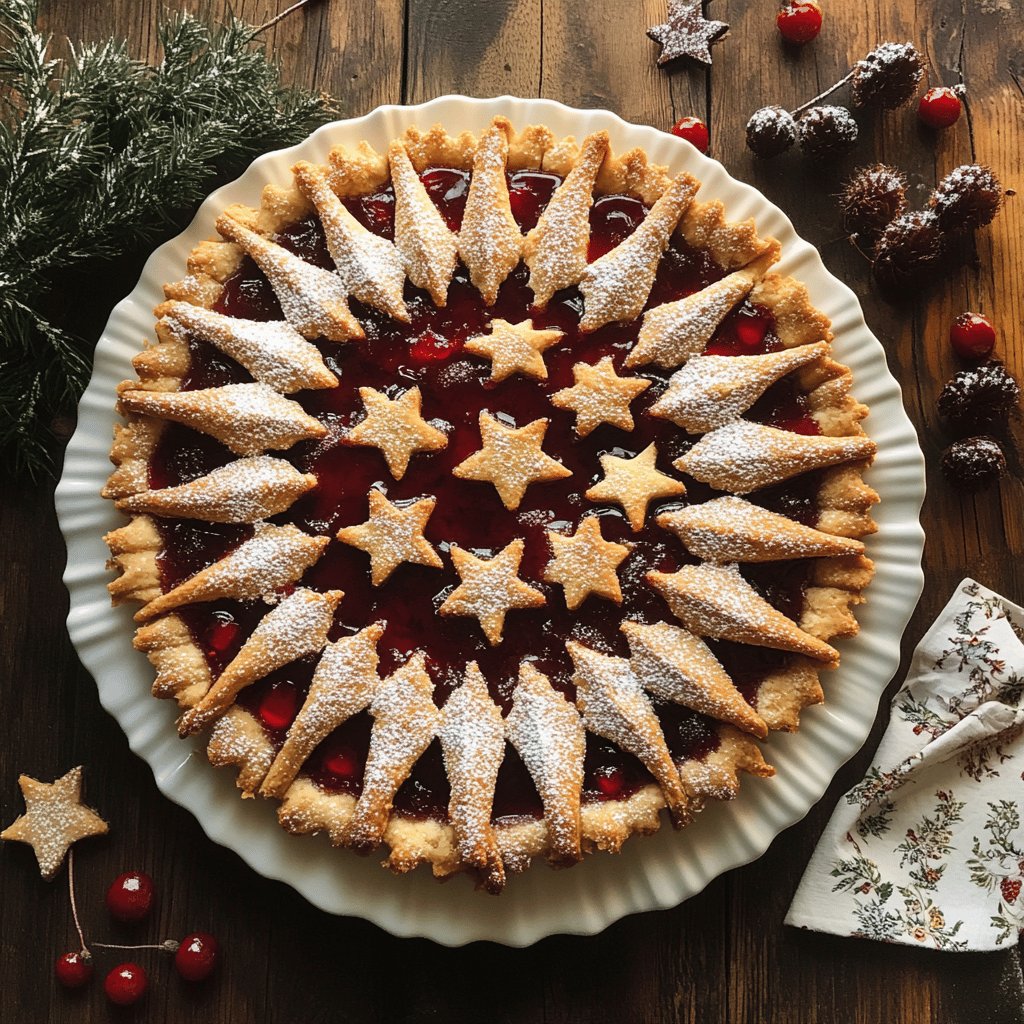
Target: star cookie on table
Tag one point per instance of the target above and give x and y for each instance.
(490, 588)
(53, 819)
(599, 396)
(634, 484)
(393, 535)
(514, 348)
(511, 459)
(585, 563)
(687, 33)
(396, 427)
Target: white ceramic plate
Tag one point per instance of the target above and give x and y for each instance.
(652, 873)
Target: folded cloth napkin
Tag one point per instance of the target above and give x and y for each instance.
(929, 848)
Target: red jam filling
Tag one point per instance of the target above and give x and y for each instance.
(428, 353)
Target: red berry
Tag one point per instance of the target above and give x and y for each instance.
(73, 969)
(940, 107)
(279, 705)
(694, 130)
(342, 764)
(750, 329)
(126, 984)
(222, 634)
(799, 22)
(610, 782)
(1010, 888)
(972, 336)
(130, 896)
(196, 956)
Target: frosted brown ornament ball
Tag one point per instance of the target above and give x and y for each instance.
(907, 249)
(887, 77)
(871, 199)
(967, 198)
(827, 131)
(974, 462)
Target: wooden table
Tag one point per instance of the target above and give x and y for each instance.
(724, 955)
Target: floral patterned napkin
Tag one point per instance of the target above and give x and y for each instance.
(929, 848)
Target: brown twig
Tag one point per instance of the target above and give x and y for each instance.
(280, 17)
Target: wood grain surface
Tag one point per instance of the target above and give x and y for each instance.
(724, 955)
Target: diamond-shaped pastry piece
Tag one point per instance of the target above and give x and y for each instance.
(393, 535)
(612, 704)
(585, 563)
(599, 395)
(716, 601)
(730, 529)
(514, 348)
(395, 426)
(490, 588)
(511, 458)
(634, 483)
(343, 685)
(296, 627)
(742, 457)
(674, 664)
(548, 734)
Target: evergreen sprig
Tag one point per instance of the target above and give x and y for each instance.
(99, 153)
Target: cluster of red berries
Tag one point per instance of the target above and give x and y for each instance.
(130, 900)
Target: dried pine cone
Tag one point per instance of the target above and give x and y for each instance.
(974, 462)
(827, 131)
(872, 198)
(770, 131)
(907, 248)
(967, 198)
(887, 77)
(978, 398)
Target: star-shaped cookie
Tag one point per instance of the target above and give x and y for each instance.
(393, 535)
(634, 484)
(396, 427)
(511, 459)
(687, 33)
(514, 348)
(599, 396)
(585, 563)
(490, 588)
(53, 819)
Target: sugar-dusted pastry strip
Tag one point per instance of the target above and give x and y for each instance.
(548, 733)
(243, 491)
(239, 739)
(742, 457)
(296, 627)
(248, 418)
(343, 685)
(274, 557)
(616, 286)
(674, 664)
(716, 601)
(556, 249)
(428, 248)
(274, 352)
(314, 300)
(730, 529)
(711, 391)
(612, 704)
(472, 735)
(182, 670)
(370, 266)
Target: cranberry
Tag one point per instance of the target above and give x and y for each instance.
(750, 329)
(222, 634)
(610, 782)
(279, 705)
(126, 984)
(940, 107)
(972, 336)
(342, 764)
(196, 956)
(694, 130)
(73, 969)
(799, 22)
(433, 348)
(130, 896)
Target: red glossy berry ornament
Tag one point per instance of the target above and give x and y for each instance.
(940, 107)
(694, 130)
(130, 896)
(972, 336)
(799, 22)
(126, 984)
(74, 970)
(196, 956)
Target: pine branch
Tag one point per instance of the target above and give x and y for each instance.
(99, 154)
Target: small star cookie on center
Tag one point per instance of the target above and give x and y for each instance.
(396, 427)
(490, 588)
(511, 459)
(393, 535)
(634, 484)
(514, 348)
(585, 563)
(599, 396)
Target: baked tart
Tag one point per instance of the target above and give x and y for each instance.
(487, 497)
